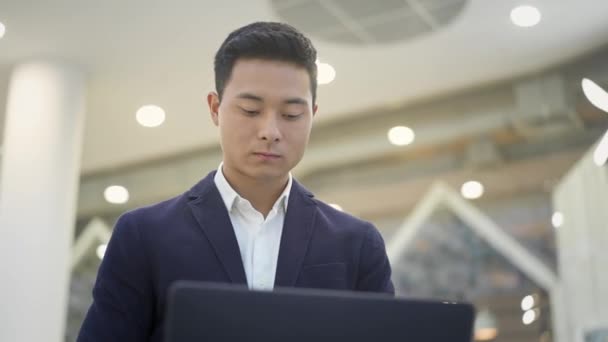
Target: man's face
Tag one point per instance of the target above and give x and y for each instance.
(265, 118)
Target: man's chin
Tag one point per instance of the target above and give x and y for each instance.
(268, 175)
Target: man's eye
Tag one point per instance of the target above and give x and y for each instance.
(250, 112)
(292, 116)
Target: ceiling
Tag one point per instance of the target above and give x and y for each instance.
(160, 52)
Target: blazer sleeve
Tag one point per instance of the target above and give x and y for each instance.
(374, 268)
(123, 300)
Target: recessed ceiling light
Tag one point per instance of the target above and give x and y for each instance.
(335, 206)
(525, 16)
(101, 250)
(150, 116)
(600, 155)
(529, 317)
(325, 73)
(527, 302)
(401, 135)
(2, 30)
(471, 190)
(116, 194)
(557, 219)
(595, 94)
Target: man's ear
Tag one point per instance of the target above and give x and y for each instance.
(213, 100)
(314, 109)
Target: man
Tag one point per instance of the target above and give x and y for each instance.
(248, 222)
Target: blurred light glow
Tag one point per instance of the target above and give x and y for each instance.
(485, 326)
(595, 94)
(557, 219)
(486, 334)
(150, 116)
(527, 303)
(529, 317)
(600, 155)
(401, 135)
(335, 206)
(525, 16)
(2, 30)
(325, 73)
(101, 251)
(545, 336)
(116, 194)
(471, 190)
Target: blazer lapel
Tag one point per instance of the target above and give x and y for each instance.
(212, 216)
(297, 232)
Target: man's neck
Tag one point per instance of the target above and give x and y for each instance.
(261, 194)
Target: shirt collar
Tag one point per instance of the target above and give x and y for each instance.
(229, 195)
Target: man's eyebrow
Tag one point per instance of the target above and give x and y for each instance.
(249, 96)
(291, 100)
(296, 100)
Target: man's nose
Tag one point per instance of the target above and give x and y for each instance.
(269, 129)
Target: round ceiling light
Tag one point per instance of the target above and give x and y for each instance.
(116, 194)
(101, 251)
(325, 73)
(401, 135)
(557, 219)
(595, 94)
(525, 16)
(150, 116)
(527, 302)
(600, 155)
(335, 206)
(472, 190)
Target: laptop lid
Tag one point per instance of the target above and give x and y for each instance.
(227, 312)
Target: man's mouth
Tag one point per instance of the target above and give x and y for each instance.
(267, 155)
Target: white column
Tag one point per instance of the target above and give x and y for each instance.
(38, 188)
(582, 240)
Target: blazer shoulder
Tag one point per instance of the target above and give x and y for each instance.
(157, 214)
(171, 209)
(343, 220)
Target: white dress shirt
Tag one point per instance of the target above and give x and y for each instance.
(258, 238)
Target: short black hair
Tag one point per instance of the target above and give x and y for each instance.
(265, 40)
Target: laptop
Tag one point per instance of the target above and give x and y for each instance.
(226, 312)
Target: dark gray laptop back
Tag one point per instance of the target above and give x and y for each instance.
(224, 312)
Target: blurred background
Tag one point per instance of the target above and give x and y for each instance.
(470, 132)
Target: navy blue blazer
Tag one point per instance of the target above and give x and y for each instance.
(190, 237)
